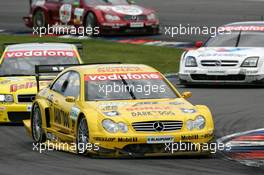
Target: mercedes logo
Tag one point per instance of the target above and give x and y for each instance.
(158, 126)
(135, 18)
(218, 63)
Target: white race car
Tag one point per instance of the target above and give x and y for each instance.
(233, 57)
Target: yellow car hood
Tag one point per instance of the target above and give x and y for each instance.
(146, 110)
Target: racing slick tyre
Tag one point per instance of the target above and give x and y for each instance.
(39, 19)
(90, 22)
(82, 139)
(38, 133)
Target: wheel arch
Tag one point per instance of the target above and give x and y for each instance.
(91, 123)
(81, 114)
(43, 106)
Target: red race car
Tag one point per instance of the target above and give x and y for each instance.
(106, 16)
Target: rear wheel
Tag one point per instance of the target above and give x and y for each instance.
(37, 130)
(82, 139)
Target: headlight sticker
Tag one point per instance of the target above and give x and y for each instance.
(111, 113)
(188, 111)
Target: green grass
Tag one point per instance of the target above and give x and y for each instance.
(164, 59)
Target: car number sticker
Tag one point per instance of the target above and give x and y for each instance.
(160, 139)
(65, 13)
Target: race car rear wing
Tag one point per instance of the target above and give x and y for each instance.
(78, 45)
(49, 72)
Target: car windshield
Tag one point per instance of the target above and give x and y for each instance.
(26, 65)
(237, 39)
(127, 89)
(106, 2)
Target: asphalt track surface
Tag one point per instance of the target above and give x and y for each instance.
(171, 13)
(234, 109)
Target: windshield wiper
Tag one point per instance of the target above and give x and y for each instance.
(15, 75)
(238, 38)
(127, 87)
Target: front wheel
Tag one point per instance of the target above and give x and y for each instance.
(39, 19)
(38, 134)
(91, 22)
(82, 139)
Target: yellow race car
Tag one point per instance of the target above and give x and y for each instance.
(17, 75)
(118, 110)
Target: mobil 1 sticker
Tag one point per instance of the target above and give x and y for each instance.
(160, 139)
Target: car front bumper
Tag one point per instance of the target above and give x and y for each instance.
(139, 144)
(126, 28)
(238, 76)
(14, 112)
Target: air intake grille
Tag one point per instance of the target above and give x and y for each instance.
(151, 126)
(135, 18)
(218, 77)
(223, 63)
(25, 98)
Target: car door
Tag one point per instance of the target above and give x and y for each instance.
(56, 118)
(71, 92)
(70, 89)
(53, 7)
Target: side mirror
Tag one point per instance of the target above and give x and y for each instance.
(186, 95)
(198, 44)
(70, 99)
